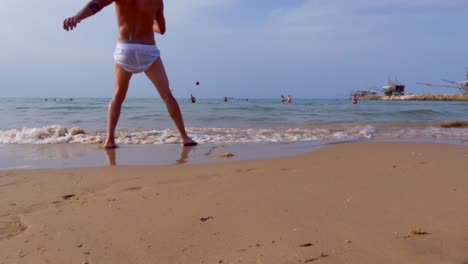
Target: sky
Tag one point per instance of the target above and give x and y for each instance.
(241, 48)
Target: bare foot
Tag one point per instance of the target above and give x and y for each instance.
(110, 145)
(188, 142)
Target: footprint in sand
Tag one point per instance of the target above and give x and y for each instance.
(187, 251)
(11, 226)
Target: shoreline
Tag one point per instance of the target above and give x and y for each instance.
(50, 156)
(359, 202)
(45, 156)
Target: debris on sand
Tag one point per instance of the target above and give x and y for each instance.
(204, 219)
(68, 196)
(221, 155)
(419, 232)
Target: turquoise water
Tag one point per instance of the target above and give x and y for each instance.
(145, 121)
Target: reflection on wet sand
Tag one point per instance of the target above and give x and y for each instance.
(111, 156)
(184, 155)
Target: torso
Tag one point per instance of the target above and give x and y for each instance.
(135, 20)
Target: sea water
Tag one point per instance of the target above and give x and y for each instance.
(213, 121)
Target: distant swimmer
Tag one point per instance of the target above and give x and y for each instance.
(192, 99)
(289, 100)
(136, 52)
(283, 100)
(354, 99)
(225, 99)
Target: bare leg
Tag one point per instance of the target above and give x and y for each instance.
(121, 81)
(157, 74)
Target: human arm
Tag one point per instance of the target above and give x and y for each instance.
(159, 25)
(93, 7)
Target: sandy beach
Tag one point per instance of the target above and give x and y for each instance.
(345, 203)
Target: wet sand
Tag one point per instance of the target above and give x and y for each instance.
(31, 156)
(345, 203)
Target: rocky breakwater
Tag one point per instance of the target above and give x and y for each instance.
(421, 97)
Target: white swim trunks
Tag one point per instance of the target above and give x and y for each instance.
(135, 57)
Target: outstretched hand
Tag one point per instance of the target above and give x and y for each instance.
(70, 23)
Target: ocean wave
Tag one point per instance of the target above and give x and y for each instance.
(73, 108)
(418, 112)
(147, 117)
(256, 108)
(58, 134)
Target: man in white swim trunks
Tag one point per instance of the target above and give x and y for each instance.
(136, 51)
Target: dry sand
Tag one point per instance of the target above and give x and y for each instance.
(346, 203)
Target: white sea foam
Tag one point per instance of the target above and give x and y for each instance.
(238, 121)
(45, 135)
(57, 134)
